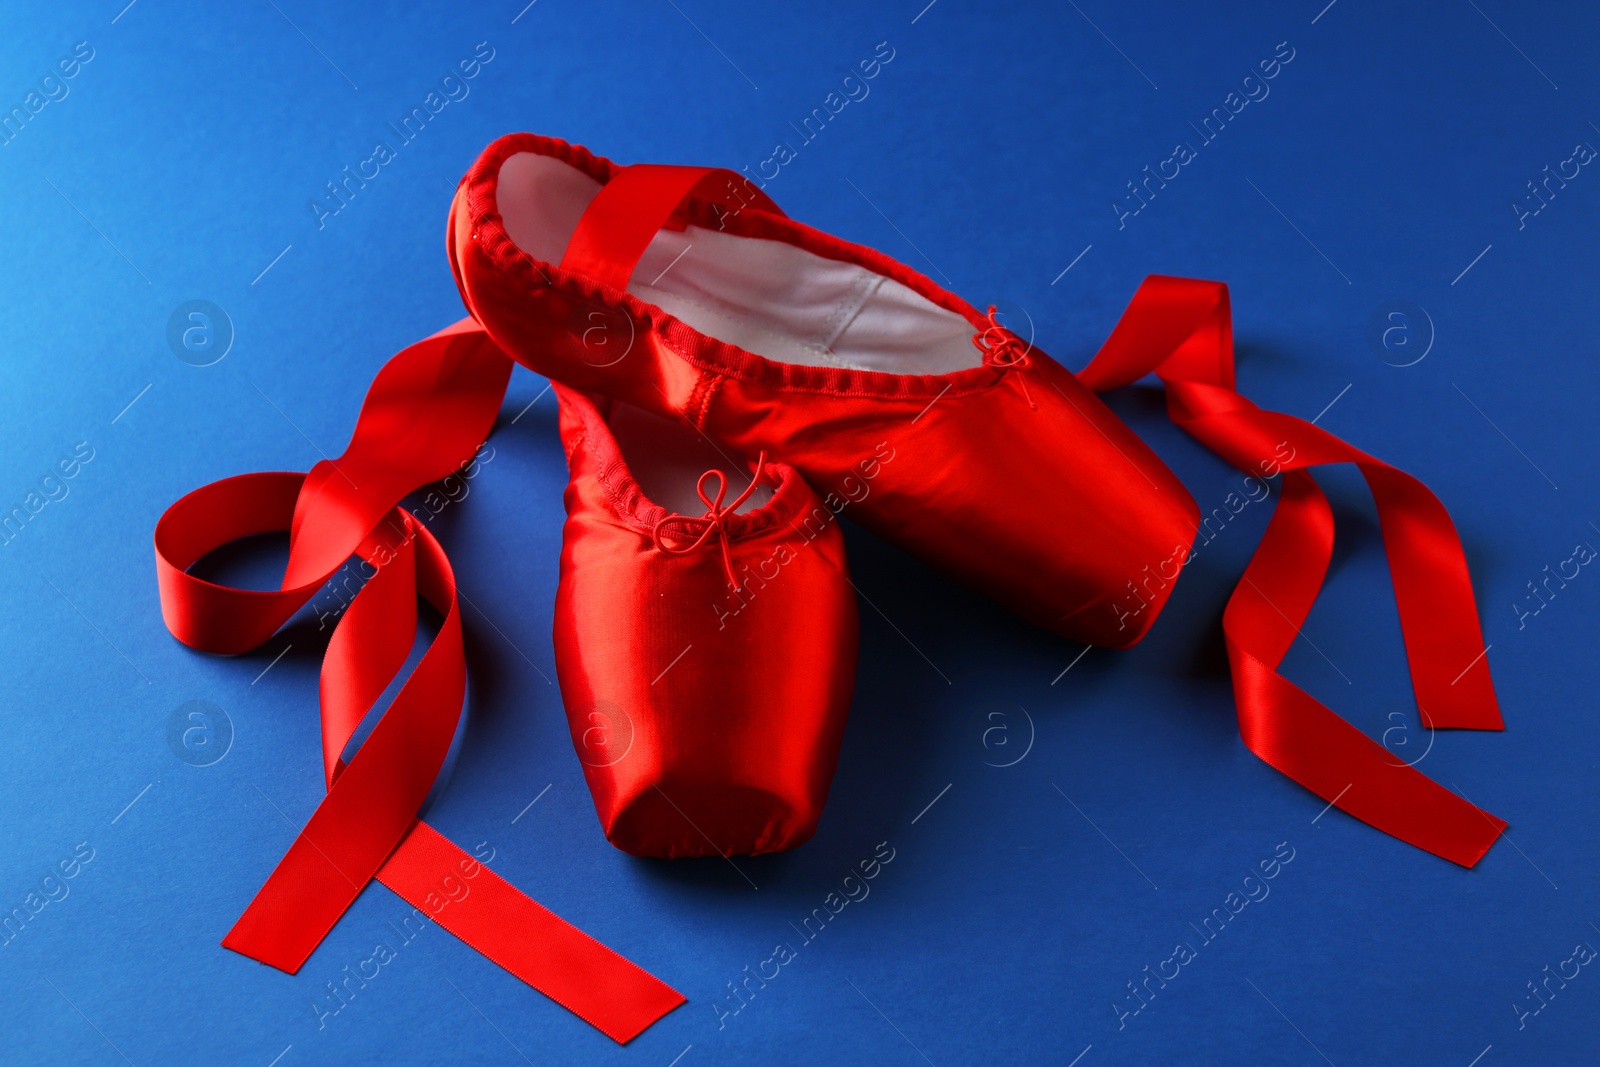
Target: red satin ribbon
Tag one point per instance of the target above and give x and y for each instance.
(1181, 329)
(625, 215)
(428, 411)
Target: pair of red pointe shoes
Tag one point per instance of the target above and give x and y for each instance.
(706, 648)
(686, 293)
(729, 380)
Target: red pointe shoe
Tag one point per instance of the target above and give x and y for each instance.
(705, 639)
(686, 292)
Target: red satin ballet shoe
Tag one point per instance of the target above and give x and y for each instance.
(705, 636)
(688, 293)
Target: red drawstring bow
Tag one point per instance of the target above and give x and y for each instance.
(713, 521)
(1006, 350)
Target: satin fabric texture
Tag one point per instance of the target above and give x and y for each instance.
(706, 662)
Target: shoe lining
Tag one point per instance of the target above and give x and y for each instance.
(667, 458)
(767, 297)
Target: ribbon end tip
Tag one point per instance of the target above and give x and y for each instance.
(234, 945)
(1499, 828)
(669, 1001)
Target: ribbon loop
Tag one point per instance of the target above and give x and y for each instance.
(427, 412)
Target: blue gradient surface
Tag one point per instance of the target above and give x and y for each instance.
(1058, 822)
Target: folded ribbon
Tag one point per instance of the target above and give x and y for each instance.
(426, 414)
(1181, 329)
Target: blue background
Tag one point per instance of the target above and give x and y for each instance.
(988, 153)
